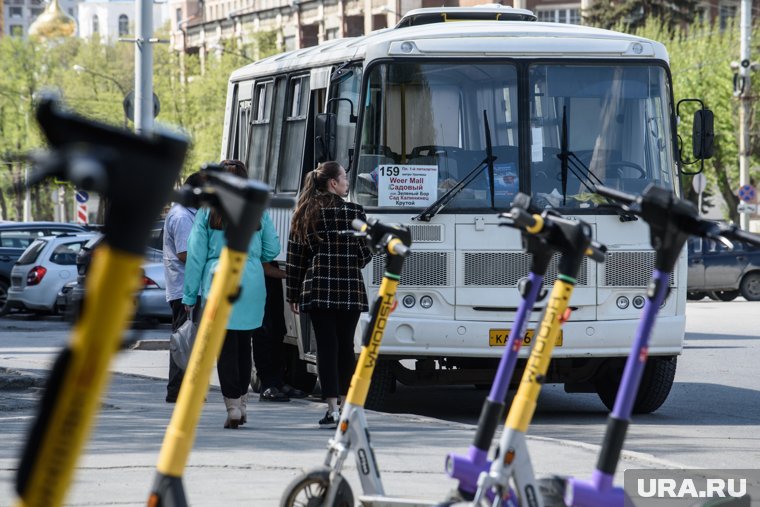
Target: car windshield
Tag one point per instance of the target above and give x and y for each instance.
(31, 254)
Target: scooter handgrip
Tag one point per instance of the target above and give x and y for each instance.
(745, 237)
(522, 218)
(617, 195)
(358, 224)
(597, 252)
(398, 247)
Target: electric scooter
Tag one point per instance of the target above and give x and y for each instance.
(572, 238)
(671, 222)
(325, 486)
(242, 203)
(538, 242)
(135, 174)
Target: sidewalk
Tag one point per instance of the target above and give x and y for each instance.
(256, 462)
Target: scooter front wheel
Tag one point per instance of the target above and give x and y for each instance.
(310, 490)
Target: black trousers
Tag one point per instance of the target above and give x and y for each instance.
(234, 363)
(268, 344)
(336, 361)
(176, 374)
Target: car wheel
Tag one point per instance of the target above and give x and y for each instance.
(4, 306)
(695, 296)
(750, 286)
(655, 386)
(724, 295)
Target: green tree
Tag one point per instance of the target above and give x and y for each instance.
(700, 58)
(634, 14)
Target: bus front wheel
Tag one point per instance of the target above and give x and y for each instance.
(655, 386)
(382, 385)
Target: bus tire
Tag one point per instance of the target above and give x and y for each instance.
(382, 385)
(297, 375)
(695, 295)
(656, 383)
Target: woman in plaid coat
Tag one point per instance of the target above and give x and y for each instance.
(324, 276)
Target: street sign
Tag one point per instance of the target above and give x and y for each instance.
(747, 208)
(129, 106)
(82, 213)
(747, 193)
(699, 182)
(82, 196)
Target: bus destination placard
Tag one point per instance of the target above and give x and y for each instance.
(407, 185)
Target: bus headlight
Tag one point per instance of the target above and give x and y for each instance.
(426, 302)
(638, 302)
(622, 302)
(408, 301)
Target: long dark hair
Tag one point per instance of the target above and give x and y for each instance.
(236, 167)
(314, 196)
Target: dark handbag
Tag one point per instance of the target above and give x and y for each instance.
(181, 342)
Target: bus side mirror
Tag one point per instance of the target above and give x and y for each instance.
(324, 135)
(703, 134)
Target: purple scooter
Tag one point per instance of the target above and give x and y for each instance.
(671, 222)
(467, 469)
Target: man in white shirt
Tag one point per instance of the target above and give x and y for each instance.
(177, 226)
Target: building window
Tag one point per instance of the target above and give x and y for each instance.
(123, 25)
(16, 31)
(95, 24)
(16, 12)
(179, 17)
(35, 11)
(567, 15)
(331, 33)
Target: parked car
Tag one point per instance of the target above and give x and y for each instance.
(151, 299)
(723, 273)
(15, 237)
(43, 269)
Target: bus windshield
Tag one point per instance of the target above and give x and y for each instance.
(597, 124)
(424, 130)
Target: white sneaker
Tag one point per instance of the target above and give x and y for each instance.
(330, 420)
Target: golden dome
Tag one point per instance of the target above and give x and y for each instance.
(53, 23)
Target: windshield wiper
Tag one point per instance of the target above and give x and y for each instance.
(449, 195)
(570, 161)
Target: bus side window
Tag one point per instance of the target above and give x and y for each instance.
(276, 136)
(241, 122)
(293, 134)
(260, 128)
(347, 87)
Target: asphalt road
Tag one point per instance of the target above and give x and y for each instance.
(710, 420)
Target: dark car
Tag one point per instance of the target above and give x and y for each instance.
(723, 273)
(14, 238)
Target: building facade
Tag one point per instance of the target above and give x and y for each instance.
(18, 15)
(111, 19)
(200, 26)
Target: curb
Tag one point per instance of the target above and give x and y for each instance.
(150, 345)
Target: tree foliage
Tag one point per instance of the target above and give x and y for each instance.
(634, 14)
(700, 61)
(93, 78)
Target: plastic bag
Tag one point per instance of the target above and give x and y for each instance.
(181, 343)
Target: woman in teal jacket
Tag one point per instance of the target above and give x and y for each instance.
(203, 249)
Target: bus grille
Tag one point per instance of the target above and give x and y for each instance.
(421, 269)
(629, 269)
(505, 269)
(426, 233)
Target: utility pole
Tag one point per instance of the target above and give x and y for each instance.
(745, 101)
(144, 67)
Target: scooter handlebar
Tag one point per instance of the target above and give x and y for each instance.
(597, 251)
(359, 225)
(617, 195)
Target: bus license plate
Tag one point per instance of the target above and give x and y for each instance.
(499, 337)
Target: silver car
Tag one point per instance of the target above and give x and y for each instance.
(43, 269)
(151, 302)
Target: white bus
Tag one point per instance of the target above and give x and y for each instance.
(406, 111)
